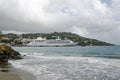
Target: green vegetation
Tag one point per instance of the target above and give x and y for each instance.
(72, 36)
(8, 38)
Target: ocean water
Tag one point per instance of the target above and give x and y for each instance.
(71, 63)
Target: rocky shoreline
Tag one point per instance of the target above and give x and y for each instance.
(7, 71)
(7, 53)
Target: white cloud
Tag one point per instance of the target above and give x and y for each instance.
(90, 18)
(78, 30)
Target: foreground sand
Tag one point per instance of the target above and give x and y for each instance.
(7, 72)
(9, 76)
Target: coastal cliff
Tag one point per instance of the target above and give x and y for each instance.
(7, 53)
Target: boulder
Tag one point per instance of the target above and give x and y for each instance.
(7, 53)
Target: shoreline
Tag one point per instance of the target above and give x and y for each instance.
(8, 72)
(25, 75)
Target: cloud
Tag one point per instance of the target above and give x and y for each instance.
(91, 18)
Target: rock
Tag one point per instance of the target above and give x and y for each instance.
(7, 53)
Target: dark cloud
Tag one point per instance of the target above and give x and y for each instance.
(90, 18)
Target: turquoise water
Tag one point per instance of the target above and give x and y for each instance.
(94, 51)
(71, 63)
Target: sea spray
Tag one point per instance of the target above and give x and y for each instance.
(69, 67)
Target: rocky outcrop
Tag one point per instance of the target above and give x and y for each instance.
(7, 53)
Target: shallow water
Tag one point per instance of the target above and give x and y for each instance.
(71, 63)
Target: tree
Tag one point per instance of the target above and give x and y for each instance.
(0, 32)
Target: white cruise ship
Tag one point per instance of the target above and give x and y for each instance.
(42, 42)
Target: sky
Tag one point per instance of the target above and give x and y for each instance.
(97, 19)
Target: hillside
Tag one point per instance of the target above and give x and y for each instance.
(72, 36)
(17, 39)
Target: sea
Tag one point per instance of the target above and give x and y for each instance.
(70, 63)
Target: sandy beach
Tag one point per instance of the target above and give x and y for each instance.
(9, 76)
(7, 72)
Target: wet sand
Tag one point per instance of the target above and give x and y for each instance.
(9, 76)
(7, 72)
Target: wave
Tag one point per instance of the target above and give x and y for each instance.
(110, 56)
(54, 67)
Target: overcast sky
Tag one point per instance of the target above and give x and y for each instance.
(98, 19)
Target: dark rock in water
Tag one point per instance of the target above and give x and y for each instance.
(7, 53)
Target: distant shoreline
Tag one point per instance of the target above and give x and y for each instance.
(60, 46)
(23, 39)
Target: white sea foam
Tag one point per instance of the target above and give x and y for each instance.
(33, 54)
(69, 67)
